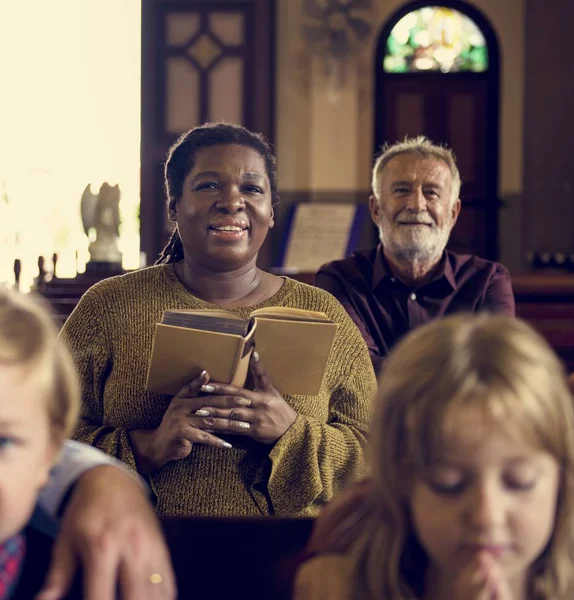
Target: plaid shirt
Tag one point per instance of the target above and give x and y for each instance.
(11, 558)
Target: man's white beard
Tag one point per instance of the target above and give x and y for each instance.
(417, 245)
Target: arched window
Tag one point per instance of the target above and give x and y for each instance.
(437, 74)
(435, 38)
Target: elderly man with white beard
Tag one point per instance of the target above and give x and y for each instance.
(410, 277)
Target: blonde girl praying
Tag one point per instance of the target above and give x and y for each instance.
(471, 488)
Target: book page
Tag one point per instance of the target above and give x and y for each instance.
(320, 233)
(285, 312)
(207, 320)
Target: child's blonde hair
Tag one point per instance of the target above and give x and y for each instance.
(29, 339)
(499, 366)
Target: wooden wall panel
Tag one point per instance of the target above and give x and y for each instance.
(202, 60)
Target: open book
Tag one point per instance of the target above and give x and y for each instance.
(294, 346)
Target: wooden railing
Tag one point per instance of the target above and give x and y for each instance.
(546, 301)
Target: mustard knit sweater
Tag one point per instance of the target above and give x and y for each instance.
(110, 336)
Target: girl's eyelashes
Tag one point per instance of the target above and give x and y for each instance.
(448, 483)
(521, 483)
(450, 489)
(452, 484)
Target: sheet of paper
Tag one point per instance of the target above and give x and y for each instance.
(319, 233)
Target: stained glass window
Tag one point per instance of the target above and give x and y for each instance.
(435, 38)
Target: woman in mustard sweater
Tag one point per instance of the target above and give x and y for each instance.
(287, 455)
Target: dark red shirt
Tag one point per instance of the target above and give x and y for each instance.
(385, 309)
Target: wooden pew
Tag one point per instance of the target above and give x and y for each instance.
(546, 301)
(254, 558)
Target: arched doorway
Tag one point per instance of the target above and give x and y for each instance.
(437, 74)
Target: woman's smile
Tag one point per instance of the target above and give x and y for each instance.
(229, 230)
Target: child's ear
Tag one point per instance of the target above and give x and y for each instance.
(57, 439)
(52, 456)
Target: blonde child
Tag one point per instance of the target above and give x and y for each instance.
(39, 401)
(472, 462)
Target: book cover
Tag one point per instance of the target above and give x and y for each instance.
(294, 347)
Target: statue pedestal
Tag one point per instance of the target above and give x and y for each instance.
(103, 269)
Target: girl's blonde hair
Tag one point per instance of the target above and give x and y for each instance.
(29, 339)
(497, 365)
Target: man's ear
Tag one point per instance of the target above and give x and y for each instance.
(272, 219)
(375, 209)
(455, 211)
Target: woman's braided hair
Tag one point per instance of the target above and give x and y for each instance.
(180, 159)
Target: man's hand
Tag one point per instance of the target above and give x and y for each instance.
(110, 530)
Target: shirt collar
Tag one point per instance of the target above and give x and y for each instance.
(11, 559)
(381, 269)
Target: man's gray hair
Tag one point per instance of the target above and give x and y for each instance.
(425, 149)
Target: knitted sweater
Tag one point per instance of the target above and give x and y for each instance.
(110, 335)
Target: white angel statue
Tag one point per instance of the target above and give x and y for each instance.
(102, 213)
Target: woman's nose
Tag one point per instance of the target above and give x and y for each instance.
(230, 201)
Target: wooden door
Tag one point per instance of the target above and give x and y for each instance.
(202, 60)
(459, 107)
(452, 110)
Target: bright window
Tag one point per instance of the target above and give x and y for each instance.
(435, 38)
(70, 115)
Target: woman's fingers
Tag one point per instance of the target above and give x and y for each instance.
(260, 377)
(200, 436)
(189, 406)
(192, 389)
(234, 395)
(222, 425)
(226, 399)
(261, 381)
(235, 414)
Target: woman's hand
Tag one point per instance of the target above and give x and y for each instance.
(261, 414)
(178, 431)
(483, 579)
